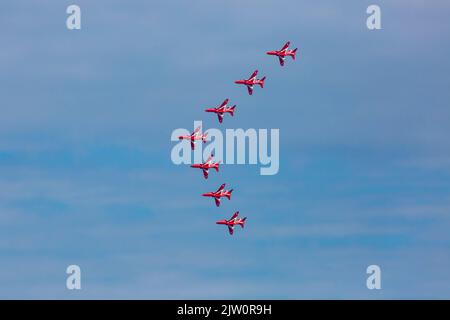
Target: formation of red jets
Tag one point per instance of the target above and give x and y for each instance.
(221, 110)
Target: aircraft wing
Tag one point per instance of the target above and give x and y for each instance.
(220, 116)
(192, 145)
(196, 130)
(281, 61)
(205, 173)
(221, 187)
(286, 45)
(230, 229)
(209, 159)
(253, 76)
(217, 201)
(224, 103)
(234, 215)
(250, 90)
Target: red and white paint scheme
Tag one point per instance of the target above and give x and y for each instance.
(221, 192)
(234, 221)
(195, 136)
(222, 109)
(283, 53)
(250, 82)
(205, 166)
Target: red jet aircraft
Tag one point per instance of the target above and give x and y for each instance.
(194, 136)
(219, 193)
(250, 82)
(283, 53)
(205, 166)
(222, 109)
(233, 222)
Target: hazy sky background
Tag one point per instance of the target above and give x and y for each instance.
(85, 170)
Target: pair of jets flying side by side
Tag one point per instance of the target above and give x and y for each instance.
(281, 54)
(221, 110)
(234, 220)
(209, 163)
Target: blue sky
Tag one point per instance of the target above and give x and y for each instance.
(85, 170)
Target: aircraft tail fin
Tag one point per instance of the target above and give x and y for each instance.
(229, 194)
(262, 82)
(242, 223)
(293, 53)
(232, 110)
(217, 167)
